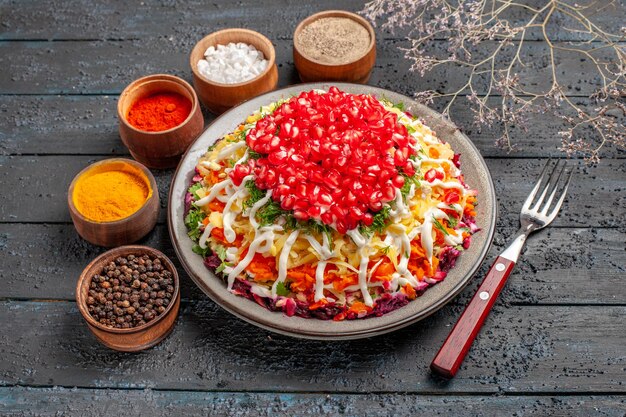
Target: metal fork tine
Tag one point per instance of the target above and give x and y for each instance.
(556, 208)
(545, 189)
(555, 187)
(530, 197)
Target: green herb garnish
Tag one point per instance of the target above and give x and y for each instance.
(256, 194)
(222, 266)
(453, 221)
(192, 190)
(440, 226)
(378, 224)
(269, 212)
(193, 219)
(254, 155)
(200, 251)
(220, 251)
(281, 289)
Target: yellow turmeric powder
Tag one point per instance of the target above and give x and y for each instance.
(110, 195)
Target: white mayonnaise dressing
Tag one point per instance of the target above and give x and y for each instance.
(262, 243)
(282, 260)
(215, 190)
(260, 290)
(403, 243)
(447, 184)
(324, 253)
(374, 268)
(427, 230)
(256, 207)
(401, 210)
(363, 244)
(319, 279)
(228, 150)
(367, 298)
(229, 214)
(205, 235)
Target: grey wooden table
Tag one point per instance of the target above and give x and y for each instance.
(555, 343)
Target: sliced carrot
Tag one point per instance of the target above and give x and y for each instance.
(384, 271)
(302, 278)
(409, 291)
(218, 234)
(216, 205)
(342, 282)
(205, 221)
(263, 269)
(358, 307)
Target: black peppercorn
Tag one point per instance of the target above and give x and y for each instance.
(130, 292)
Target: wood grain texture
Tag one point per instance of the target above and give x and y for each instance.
(87, 125)
(558, 266)
(594, 199)
(40, 402)
(555, 337)
(67, 67)
(82, 19)
(530, 349)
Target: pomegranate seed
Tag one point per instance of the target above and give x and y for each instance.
(341, 226)
(389, 192)
(288, 202)
(314, 211)
(376, 205)
(334, 150)
(300, 205)
(326, 217)
(324, 198)
(301, 215)
(432, 175)
(398, 181)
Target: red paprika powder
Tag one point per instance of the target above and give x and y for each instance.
(159, 112)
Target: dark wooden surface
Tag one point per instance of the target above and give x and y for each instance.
(555, 343)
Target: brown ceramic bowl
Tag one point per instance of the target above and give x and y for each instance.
(159, 149)
(357, 71)
(119, 232)
(137, 338)
(219, 97)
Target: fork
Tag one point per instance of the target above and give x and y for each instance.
(454, 349)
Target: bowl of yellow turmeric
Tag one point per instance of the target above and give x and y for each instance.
(114, 202)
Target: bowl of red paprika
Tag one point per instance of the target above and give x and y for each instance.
(159, 118)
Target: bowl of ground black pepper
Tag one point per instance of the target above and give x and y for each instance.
(159, 118)
(129, 297)
(334, 45)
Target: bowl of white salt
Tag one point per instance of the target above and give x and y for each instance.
(334, 45)
(231, 66)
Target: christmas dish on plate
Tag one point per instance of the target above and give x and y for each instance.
(330, 211)
(330, 205)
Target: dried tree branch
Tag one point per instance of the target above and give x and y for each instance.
(488, 39)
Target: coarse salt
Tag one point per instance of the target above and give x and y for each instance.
(233, 63)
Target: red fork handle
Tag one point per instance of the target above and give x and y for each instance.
(454, 349)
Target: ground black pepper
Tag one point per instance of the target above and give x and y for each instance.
(130, 292)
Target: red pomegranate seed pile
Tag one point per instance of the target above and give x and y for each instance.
(333, 157)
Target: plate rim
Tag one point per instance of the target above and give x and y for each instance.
(346, 335)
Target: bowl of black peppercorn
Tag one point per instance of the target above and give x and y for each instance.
(129, 297)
